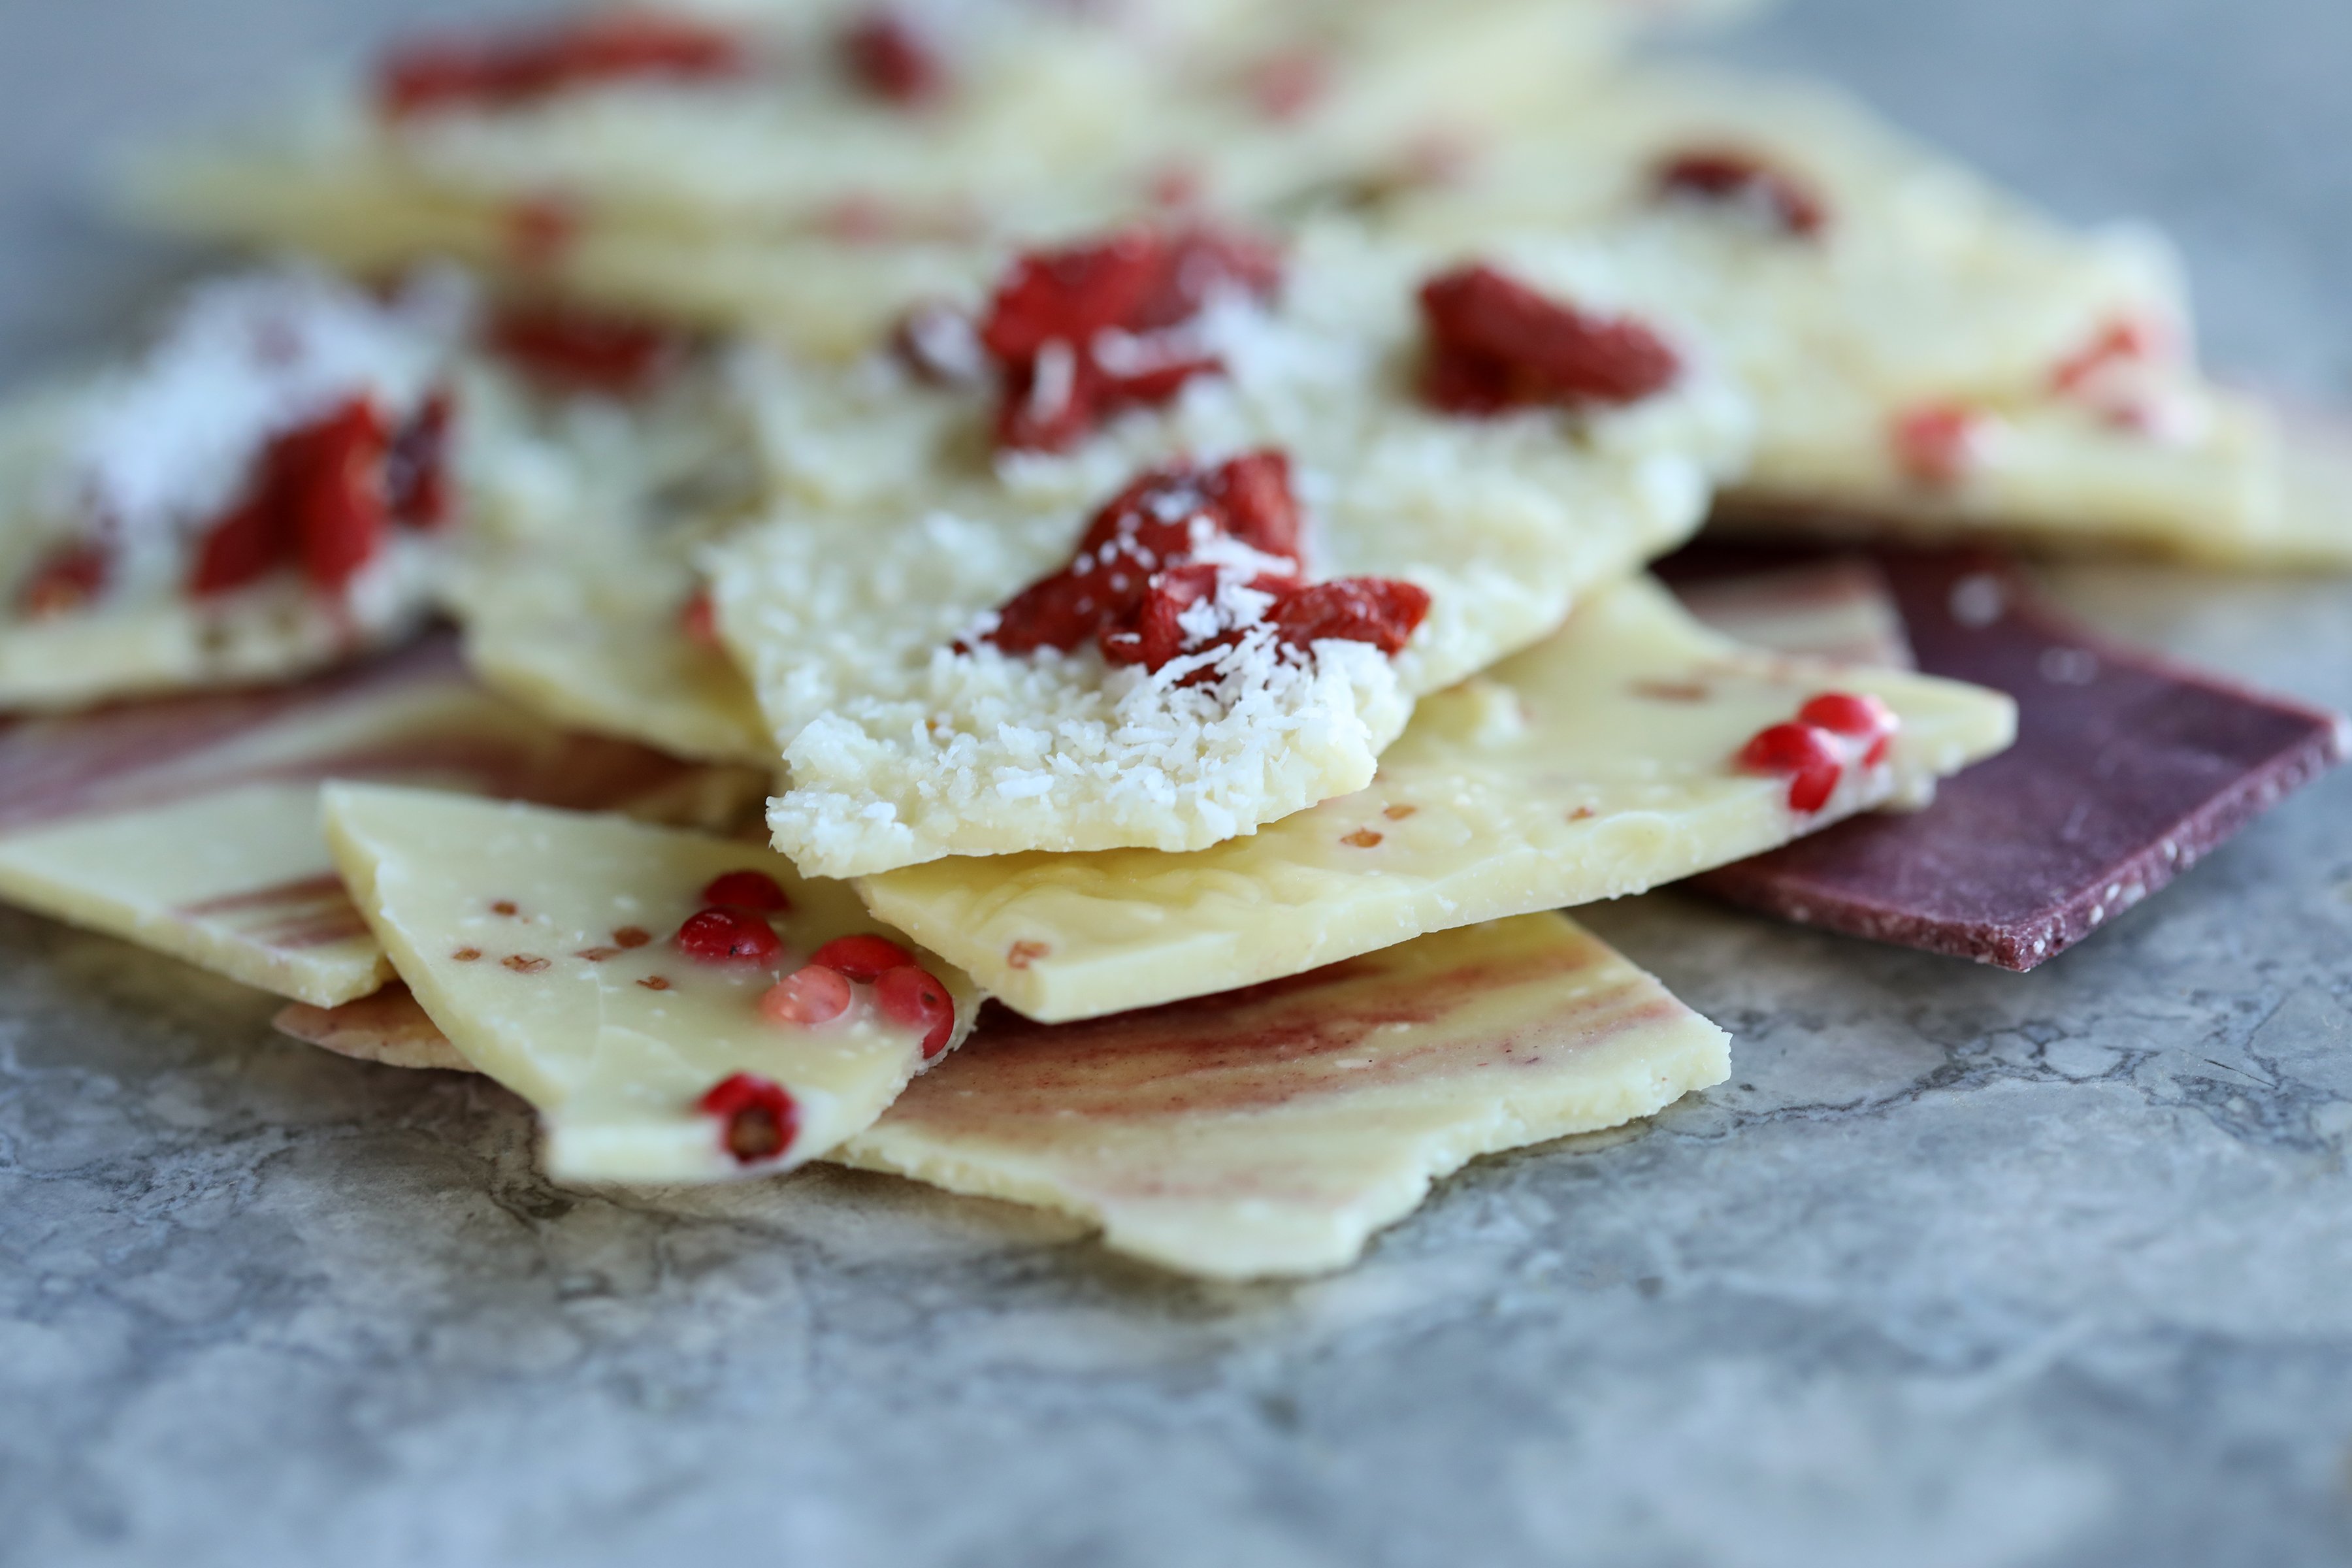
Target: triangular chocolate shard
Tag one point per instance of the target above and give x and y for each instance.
(2128, 769)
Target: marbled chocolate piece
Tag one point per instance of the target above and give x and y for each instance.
(2126, 769)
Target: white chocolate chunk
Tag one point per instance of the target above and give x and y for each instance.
(1925, 288)
(1597, 764)
(540, 943)
(1271, 1132)
(191, 827)
(584, 516)
(898, 538)
(140, 461)
(698, 201)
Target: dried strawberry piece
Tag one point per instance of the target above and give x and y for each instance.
(727, 936)
(503, 70)
(1499, 344)
(863, 957)
(69, 578)
(698, 619)
(1157, 634)
(758, 1120)
(245, 545)
(1802, 752)
(1080, 332)
(1734, 175)
(1136, 574)
(1382, 611)
(889, 56)
(330, 477)
(587, 351)
(416, 466)
(913, 998)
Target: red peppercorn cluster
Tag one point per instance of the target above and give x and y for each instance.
(1496, 344)
(1137, 573)
(1830, 732)
(1079, 333)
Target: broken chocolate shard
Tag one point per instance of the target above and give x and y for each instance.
(387, 1028)
(2128, 769)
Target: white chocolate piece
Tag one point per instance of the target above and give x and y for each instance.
(192, 827)
(1271, 1132)
(1925, 288)
(898, 538)
(145, 457)
(1597, 764)
(698, 202)
(579, 1000)
(584, 517)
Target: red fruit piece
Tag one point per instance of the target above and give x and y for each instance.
(1252, 492)
(1080, 332)
(587, 351)
(727, 936)
(913, 998)
(1382, 611)
(333, 475)
(69, 578)
(502, 71)
(1731, 175)
(1804, 752)
(863, 958)
(890, 57)
(758, 1119)
(417, 467)
(1067, 296)
(318, 500)
(754, 890)
(808, 995)
(1157, 634)
(1499, 344)
(1940, 445)
(1287, 85)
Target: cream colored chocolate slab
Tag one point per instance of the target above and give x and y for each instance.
(1272, 1131)
(190, 826)
(1597, 764)
(900, 535)
(584, 515)
(539, 941)
(1924, 287)
(698, 199)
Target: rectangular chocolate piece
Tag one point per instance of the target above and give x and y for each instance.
(2127, 768)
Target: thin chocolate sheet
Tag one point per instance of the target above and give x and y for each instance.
(2128, 769)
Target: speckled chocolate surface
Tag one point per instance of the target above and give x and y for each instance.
(2128, 769)
(1962, 1269)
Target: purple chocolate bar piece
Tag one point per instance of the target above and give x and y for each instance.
(2127, 768)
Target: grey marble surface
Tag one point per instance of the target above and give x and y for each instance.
(1961, 1269)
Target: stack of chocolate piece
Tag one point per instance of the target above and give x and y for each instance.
(1050, 599)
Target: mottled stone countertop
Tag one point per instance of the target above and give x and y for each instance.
(1961, 1267)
